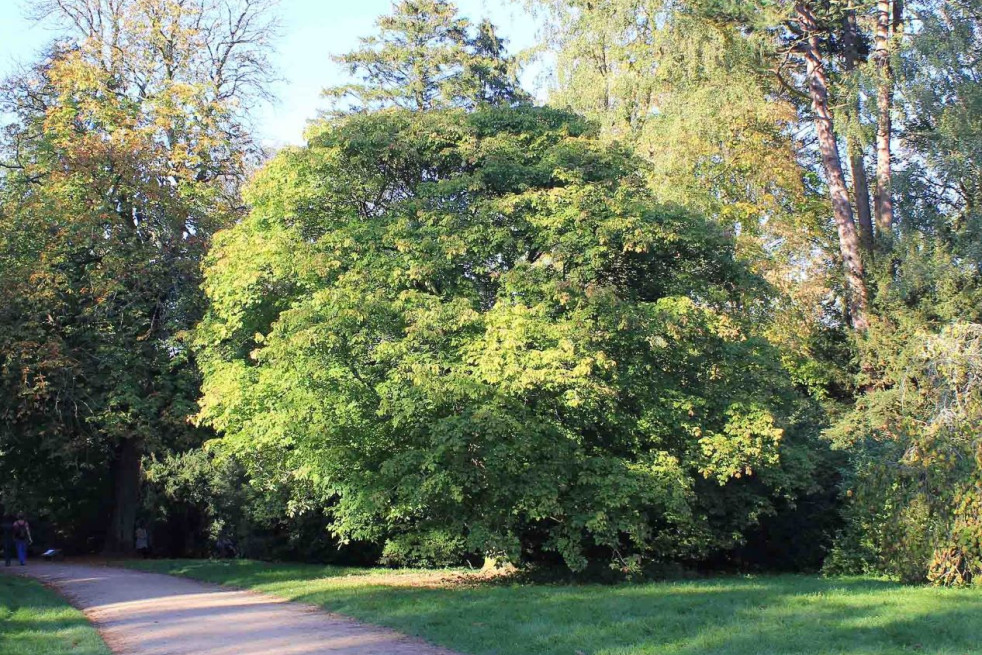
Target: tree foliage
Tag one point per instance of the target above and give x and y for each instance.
(916, 488)
(456, 324)
(477, 335)
(858, 79)
(941, 84)
(427, 56)
(123, 157)
(693, 94)
(687, 93)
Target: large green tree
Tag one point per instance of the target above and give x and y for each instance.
(476, 334)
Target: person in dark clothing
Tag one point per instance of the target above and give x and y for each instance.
(22, 538)
(7, 530)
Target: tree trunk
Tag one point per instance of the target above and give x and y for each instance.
(884, 128)
(126, 473)
(860, 185)
(854, 146)
(849, 246)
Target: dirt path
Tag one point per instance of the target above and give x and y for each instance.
(150, 614)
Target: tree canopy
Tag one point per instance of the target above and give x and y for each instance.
(493, 342)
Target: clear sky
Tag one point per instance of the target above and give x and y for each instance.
(313, 30)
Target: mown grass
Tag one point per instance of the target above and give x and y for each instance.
(781, 615)
(36, 621)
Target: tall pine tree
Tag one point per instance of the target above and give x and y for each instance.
(426, 56)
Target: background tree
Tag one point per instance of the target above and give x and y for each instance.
(697, 96)
(940, 86)
(913, 508)
(124, 156)
(427, 56)
(889, 23)
(686, 93)
(855, 53)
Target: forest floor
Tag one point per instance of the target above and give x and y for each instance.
(36, 621)
(789, 615)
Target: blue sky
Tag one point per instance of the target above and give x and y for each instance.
(313, 30)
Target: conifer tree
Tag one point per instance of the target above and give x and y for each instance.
(426, 56)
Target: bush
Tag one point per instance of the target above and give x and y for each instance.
(916, 445)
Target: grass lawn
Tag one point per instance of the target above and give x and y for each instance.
(781, 615)
(36, 621)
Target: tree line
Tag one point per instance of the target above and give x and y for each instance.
(714, 303)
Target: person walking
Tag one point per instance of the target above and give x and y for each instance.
(143, 541)
(7, 534)
(22, 537)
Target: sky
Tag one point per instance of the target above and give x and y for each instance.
(313, 31)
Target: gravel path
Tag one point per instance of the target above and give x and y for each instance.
(151, 614)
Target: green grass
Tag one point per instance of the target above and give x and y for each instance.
(781, 615)
(36, 621)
